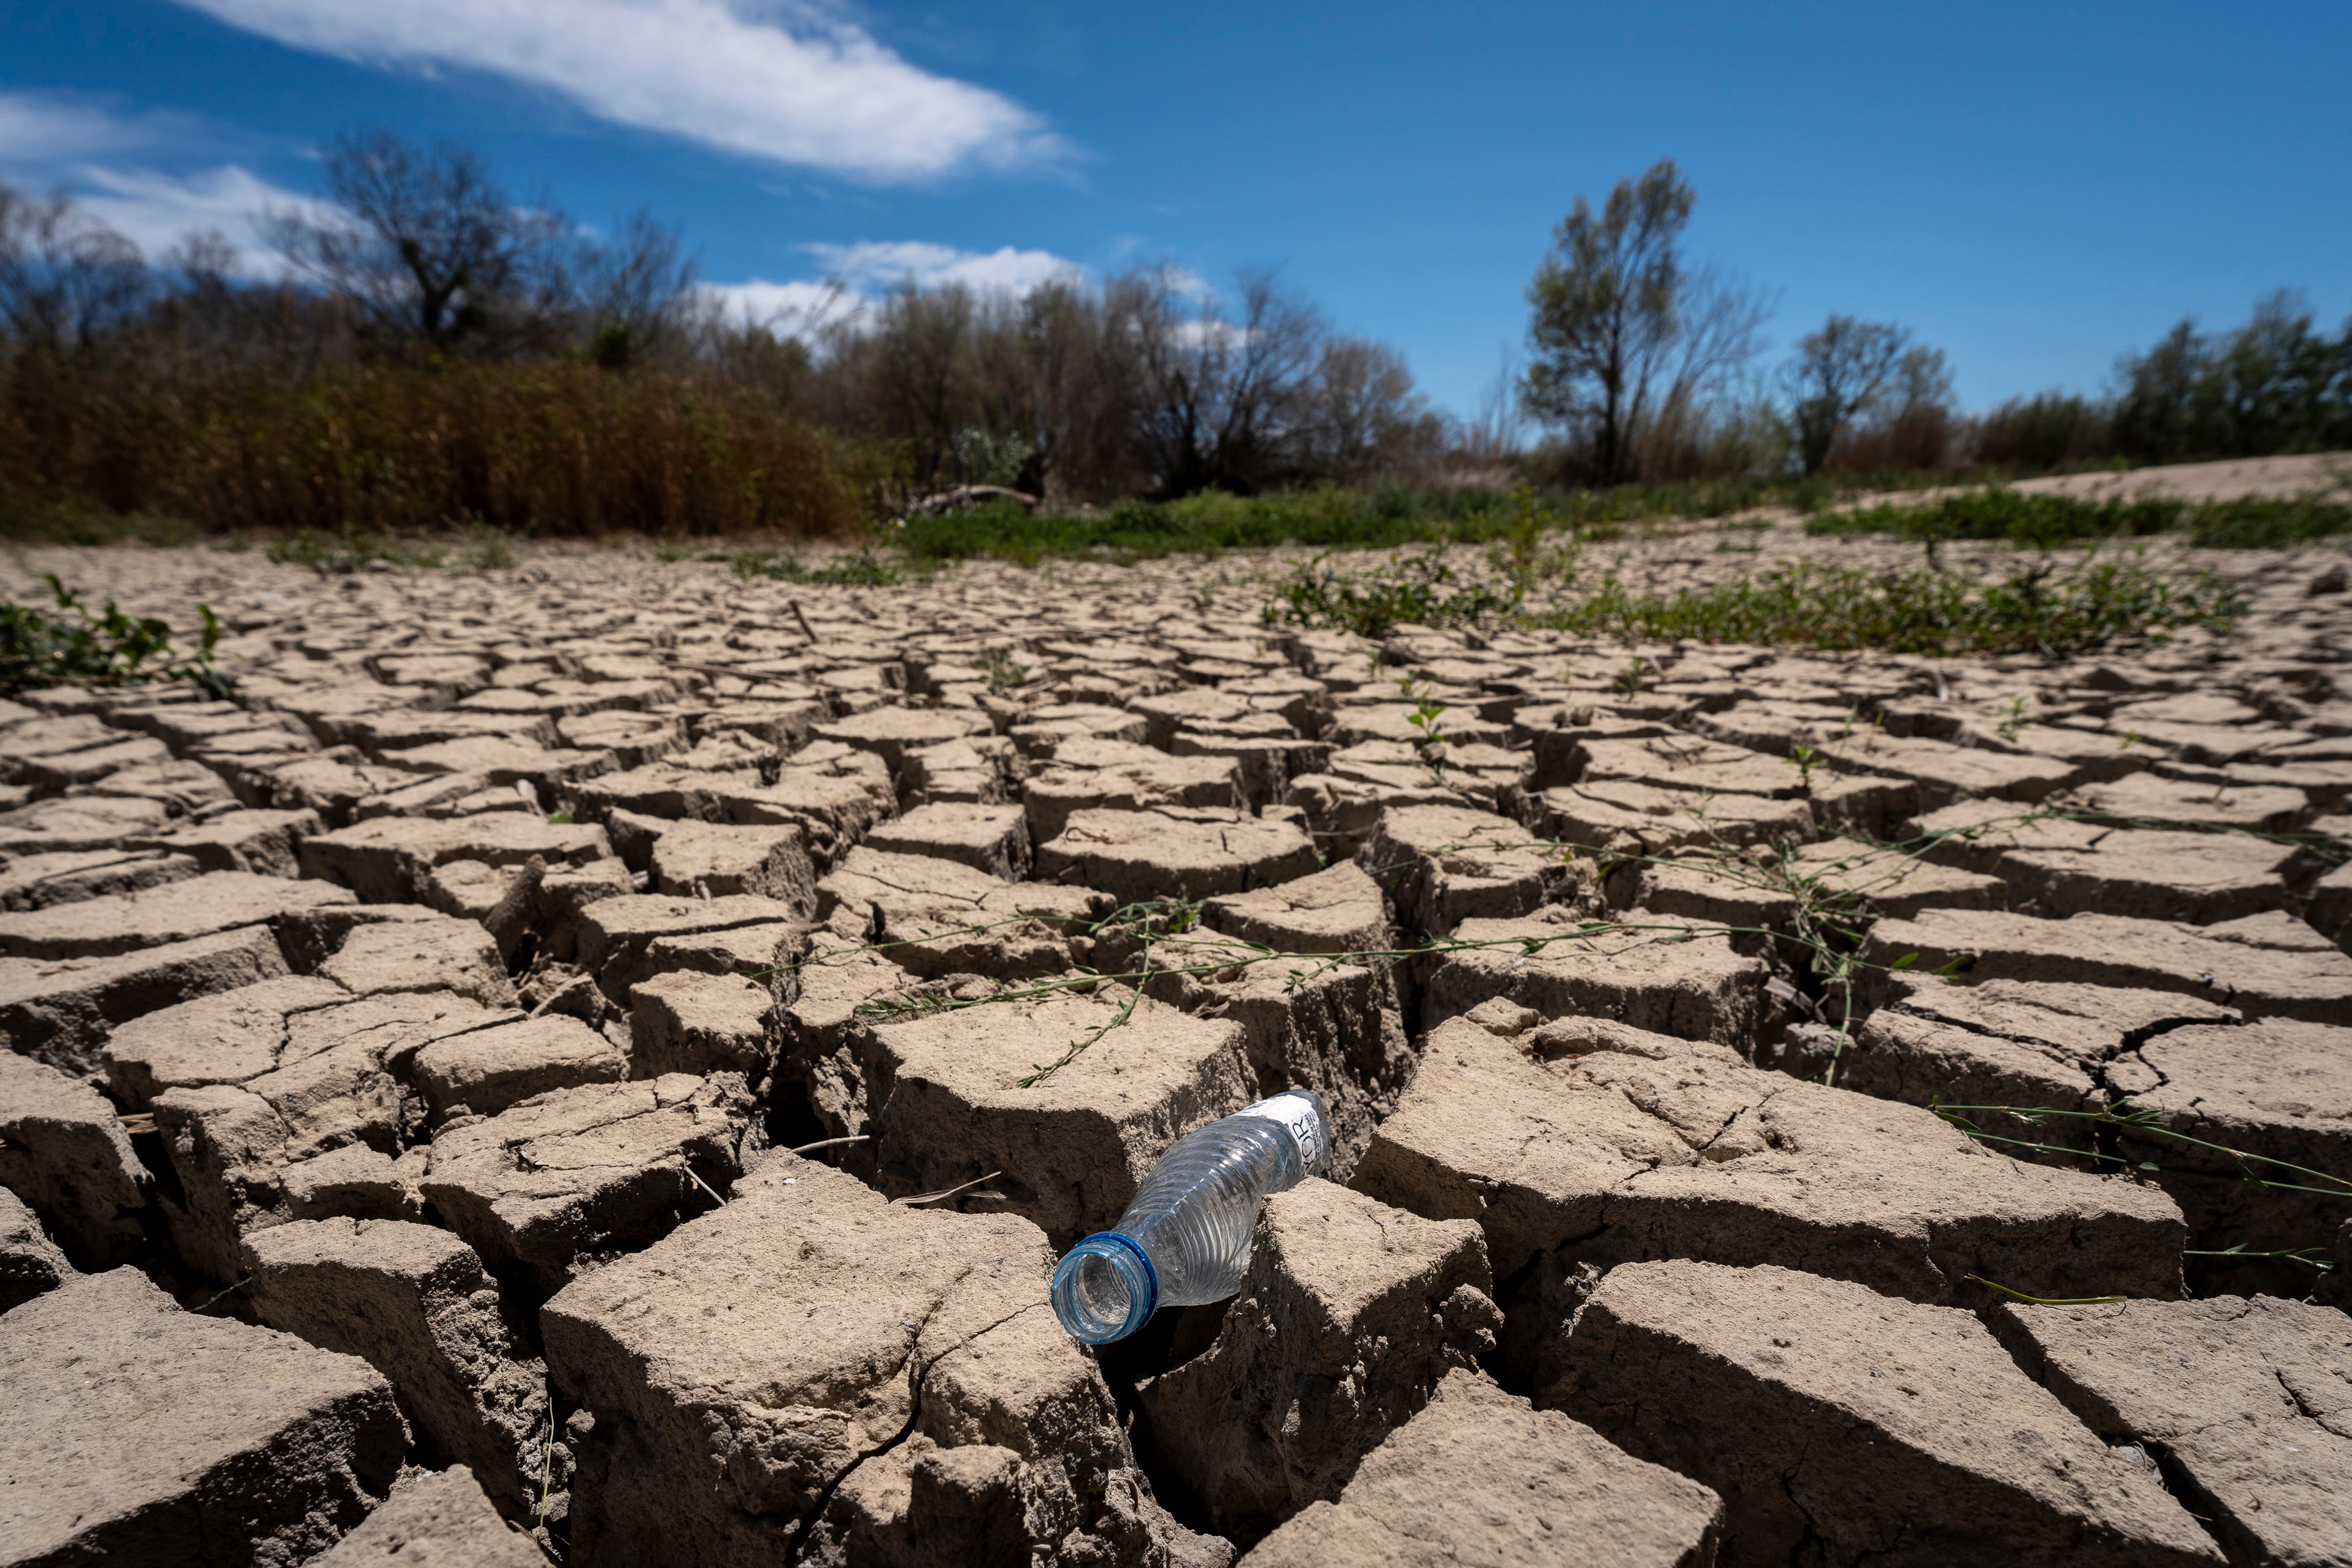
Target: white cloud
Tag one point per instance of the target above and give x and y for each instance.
(155, 209)
(796, 84)
(97, 155)
(856, 274)
(43, 127)
(871, 264)
(784, 308)
(1183, 280)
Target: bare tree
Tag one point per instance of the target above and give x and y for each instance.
(66, 278)
(1266, 359)
(921, 373)
(203, 260)
(1143, 384)
(1218, 390)
(635, 290)
(1718, 331)
(1922, 423)
(206, 311)
(1361, 416)
(1839, 372)
(1493, 434)
(1077, 393)
(1606, 305)
(425, 244)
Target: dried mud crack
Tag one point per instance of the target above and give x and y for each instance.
(1785, 1106)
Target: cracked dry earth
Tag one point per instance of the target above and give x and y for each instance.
(511, 1081)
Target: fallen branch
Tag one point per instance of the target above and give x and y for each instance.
(963, 498)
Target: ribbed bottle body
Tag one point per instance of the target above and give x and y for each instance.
(1194, 1212)
(1184, 1239)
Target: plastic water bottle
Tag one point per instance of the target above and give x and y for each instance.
(1185, 1239)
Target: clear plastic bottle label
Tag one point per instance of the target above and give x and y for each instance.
(1298, 1116)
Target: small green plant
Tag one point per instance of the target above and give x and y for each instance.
(1423, 717)
(2127, 1125)
(1521, 558)
(2127, 739)
(487, 549)
(2009, 727)
(1634, 678)
(78, 646)
(2045, 1301)
(1003, 674)
(1528, 520)
(1426, 717)
(1414, 590)
(1805, 760)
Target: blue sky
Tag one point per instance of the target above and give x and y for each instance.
(2033, 188)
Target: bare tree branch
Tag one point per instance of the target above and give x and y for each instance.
(66, 278)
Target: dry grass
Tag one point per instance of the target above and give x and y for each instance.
(538, 450)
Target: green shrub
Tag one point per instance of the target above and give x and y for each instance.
(863, 570)
(1328, 517)
(2043, 521)
(68, 518)
(1208, 524)
(487, 549)
(2261, 522)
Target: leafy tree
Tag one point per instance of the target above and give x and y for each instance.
(1622, 327)
(2274, 384)
(2043, 431)
(1604, 311)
